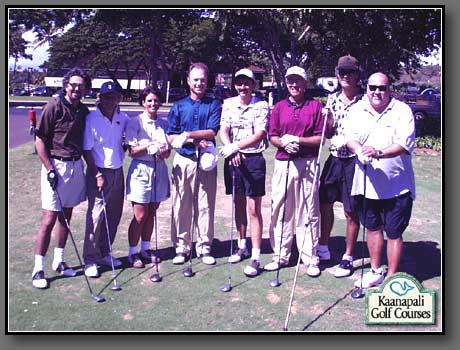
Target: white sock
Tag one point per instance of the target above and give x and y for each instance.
(145, 245)
(323, 247)
(39, 264)
(58, 255)
(347, 257)
(255, 254)
(242, 243)
(132, 250)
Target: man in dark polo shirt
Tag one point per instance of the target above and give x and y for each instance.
(59, 146)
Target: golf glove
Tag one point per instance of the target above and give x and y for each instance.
(52, 178)
(364, 159)
(229, 149)
(287, 139)
(180, 140)
(152, 150)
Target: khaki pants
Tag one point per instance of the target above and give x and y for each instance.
(96, 243)
(183, 201)
(302, 207)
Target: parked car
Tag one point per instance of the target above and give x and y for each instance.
(91, 94)
(317, 92)
(19, 92)
(176, 94)
(430, 92)
(222, 92)
(42, 91)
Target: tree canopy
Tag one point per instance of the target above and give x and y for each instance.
(164, 42)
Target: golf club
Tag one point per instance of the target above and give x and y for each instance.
(115, 286)
(228, 286)
(156, 276)
(97, 298)
(314, 187)
(188, 272)
(358, 292)
(276, 282)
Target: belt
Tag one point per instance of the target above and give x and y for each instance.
(259, 154)
(67, 159)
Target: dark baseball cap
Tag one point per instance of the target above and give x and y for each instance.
(110, 86)
(347, 62)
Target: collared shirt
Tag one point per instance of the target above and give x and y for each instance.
(244, 121)
(190, 115)
(386, 177)
(61, 127)
(304, 121)
(339, 111)
(104, 138)
(141, 130)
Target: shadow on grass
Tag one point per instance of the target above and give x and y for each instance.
(421, 259)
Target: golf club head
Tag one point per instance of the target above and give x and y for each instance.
(226, 288)
(188, 272)
(285, 329)
(155, 277)
(358, 293)
(275, 283)
(97, 298)
(116, 288)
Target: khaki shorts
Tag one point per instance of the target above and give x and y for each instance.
(71, 185)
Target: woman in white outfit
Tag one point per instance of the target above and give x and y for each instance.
(147, 182)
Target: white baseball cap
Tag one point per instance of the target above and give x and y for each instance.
(246, 72)
(296, 70)
(208, 157)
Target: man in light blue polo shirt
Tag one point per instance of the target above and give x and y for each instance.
(193, 124)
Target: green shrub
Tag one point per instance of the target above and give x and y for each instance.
(430, 142)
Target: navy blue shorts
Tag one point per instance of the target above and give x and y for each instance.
(392, 215)
(336, 181)
(249, 176)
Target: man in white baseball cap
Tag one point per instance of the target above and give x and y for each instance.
(243, 132)
(295, 130)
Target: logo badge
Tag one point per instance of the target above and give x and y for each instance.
(401, 299)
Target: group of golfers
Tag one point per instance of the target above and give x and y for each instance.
(369, 170)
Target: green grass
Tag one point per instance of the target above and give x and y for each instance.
(196, 304)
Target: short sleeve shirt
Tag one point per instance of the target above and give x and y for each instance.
(299, 120)
(387, 177)
(339, 111)
(244, 121)
(142, 130)
(105, 138)
(61, 127)
(190, 115)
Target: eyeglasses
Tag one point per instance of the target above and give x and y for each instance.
(343, 72)
(380, 87)
(75, 85)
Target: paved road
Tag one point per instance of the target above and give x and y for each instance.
(18, 123)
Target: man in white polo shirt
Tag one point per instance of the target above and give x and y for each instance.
(104, 154)
(381, 131)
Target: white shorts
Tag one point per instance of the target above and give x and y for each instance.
(140, 184)
(71, 185)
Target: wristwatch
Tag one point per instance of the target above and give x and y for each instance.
(379, 154)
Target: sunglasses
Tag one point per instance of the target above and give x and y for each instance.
(343, 72)
(380, 87)
(75, 85)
